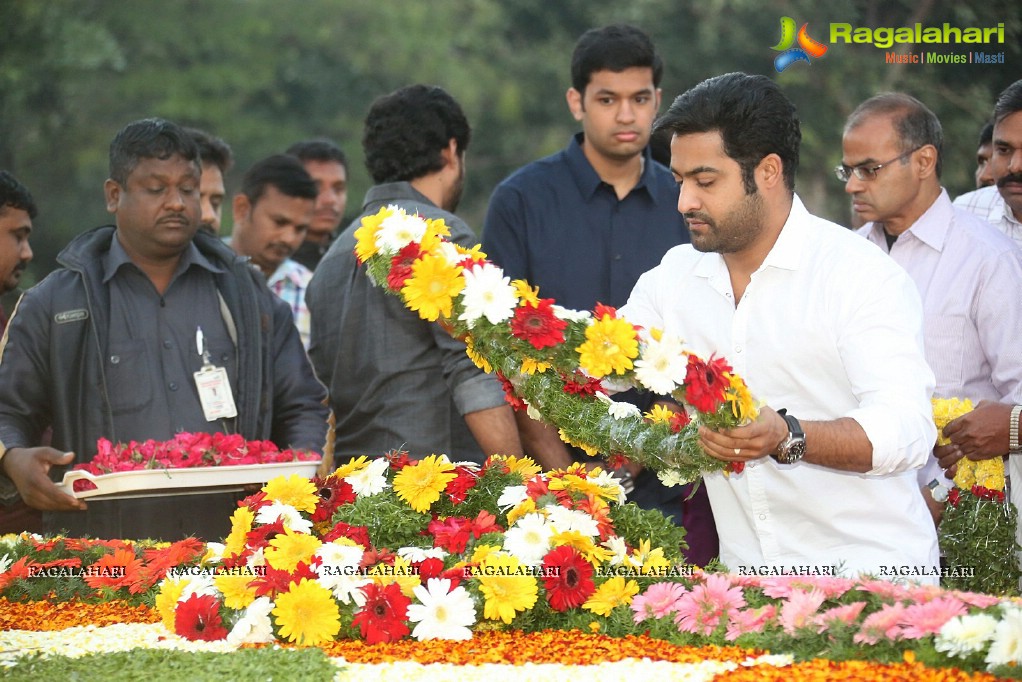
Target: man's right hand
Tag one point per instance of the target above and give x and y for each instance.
(29, 468)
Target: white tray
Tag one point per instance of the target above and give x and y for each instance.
(190, 481)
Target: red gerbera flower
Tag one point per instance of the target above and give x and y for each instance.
(538, 324)
(458, 489)
(705, 383)
(359, 534)
(580, 384)
(401, 265)
(116, 570)
(679, 420)
(568, 578)
(384, 616)
(509, 393)
(429, 568)
(398, 459)
(600, 311)
(198, 617)
(333, 492)
(451, 534)
(484, 523)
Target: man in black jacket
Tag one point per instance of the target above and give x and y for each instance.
(108, 346)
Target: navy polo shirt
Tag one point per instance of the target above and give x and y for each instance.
(556, 224)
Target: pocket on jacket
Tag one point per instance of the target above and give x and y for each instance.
(127, 374)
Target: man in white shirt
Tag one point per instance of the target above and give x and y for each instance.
(1001, 204)
(962, 266)
(819, 323)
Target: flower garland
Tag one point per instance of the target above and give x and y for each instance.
(554, 362)
(978, 528)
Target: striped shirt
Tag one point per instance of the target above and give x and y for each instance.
(289, 283)
(988, 204)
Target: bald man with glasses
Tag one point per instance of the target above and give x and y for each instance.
(967, 272)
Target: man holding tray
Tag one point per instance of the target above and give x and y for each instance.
(149, 329)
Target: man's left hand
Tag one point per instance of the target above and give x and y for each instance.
(748, 442)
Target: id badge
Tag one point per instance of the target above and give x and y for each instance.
(215, 393)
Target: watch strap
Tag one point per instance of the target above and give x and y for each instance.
(1013, 439)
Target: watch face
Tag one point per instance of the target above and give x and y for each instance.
(793, 450)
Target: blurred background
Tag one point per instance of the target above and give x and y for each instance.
(263, 73)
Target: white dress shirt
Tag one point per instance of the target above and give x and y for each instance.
(988, 204)
(828, 327)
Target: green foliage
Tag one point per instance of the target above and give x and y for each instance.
(309, 664)
(391, 522)
(985, 563)
(635, 524)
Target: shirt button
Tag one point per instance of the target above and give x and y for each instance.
(738, 349)
(172, 385)
(617, 256)
(762, 517)
(167, 344)
(115, 359)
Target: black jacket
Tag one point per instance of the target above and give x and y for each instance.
(51, 360)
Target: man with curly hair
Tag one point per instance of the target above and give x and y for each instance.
(409, 386)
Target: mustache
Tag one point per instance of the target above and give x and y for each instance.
(699, 217)
(1011, 177)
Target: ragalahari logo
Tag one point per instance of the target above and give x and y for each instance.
(807, 47)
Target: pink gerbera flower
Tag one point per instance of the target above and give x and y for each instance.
(658, 601)
(749, 620)
(799, 608)
(921, 620)
(707, 605)
(884, 624)
(846, 613)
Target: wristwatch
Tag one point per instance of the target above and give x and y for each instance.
(792, 448)
(1014, 447)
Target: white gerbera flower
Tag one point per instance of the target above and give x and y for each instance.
(339, 571)
(511, 496)
(618, 410)
(1006, 647)
(200, 584)
(662, 367)
(671, 477)
(5, 562)
(450, 253)
(370, 479)
(291, 517)
(443, 613)
(571, 315)
(254, 627)
(963, 635)
(414, 555)
(399, 229)
(529, 539)
(488, 293)
(618, 550)
(565, 520)
(606, 479)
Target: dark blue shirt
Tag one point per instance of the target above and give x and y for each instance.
(556, 224)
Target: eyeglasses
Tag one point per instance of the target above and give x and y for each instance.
(867, 173)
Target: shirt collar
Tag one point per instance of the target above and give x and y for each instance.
(589, 181)
(930, 228)
(787, 252)
(293, 271)
(117, 256)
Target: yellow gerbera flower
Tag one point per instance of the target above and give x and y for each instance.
(352, 466)
(420, 484)
(611, 594)
(659, 415)
(527, 295)
(294, 490)
(236, 588)
(307, 614)
(289, 549)
(590, 551)
(436, 229)
(475, 253)
(482, 551)
(526, 506)
(401, 572)
(477, 359)
(585, 447)
(432, 287)
(584, 486)
(611, 344)
(530, 366)
(241, 525)
(365, 235)
(523, 466)
(743, 406)
(166, 599)
(506, 586)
